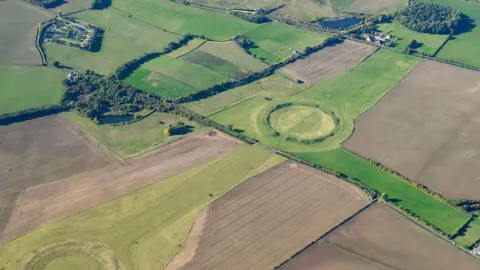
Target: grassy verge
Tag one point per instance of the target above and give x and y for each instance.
(436, 212)
(24, 87)
(131, 140)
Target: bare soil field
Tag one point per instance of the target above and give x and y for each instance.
(428, 129)
(373, 6)
(40, 151)
(47, 203)
(381, 238)
(329, 62)
(19, 22)
(247, 227)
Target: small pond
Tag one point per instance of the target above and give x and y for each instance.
(114, 119)
(338, 24)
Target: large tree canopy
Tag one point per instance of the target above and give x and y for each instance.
(429, 18)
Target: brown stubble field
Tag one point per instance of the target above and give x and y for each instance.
(47, 203)
(268, 218)
(373, 6)
(39, 151)
(428, 129)
(381, 238)
(329, 62)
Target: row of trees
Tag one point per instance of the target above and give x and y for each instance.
(128, 68)
(251, 17)
(218, 88)
(429, 18)
(94, 96)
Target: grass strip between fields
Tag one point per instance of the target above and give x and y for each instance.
(145, 228)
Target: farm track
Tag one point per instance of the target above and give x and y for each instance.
(380, 238)
(47, 203)
(40, 151)
(246, 227)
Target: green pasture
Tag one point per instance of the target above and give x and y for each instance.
(124, 39)
(24, 87)
(145, 228)
(73, 6)
(134, 139)
(279, 39)
(433, 210)
(216, 64)
(471, 235)
(368, 7)
(429, 43)
(465, 47)
(191, 45)
(230, 51)
(192, 75)
(362, 86)
(184, 19)
(19, 22)
(277, 85)
(157, 83)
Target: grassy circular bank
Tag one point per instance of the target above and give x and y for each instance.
(297, 125)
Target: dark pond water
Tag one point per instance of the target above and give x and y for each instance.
(106, 120)
(340, 23)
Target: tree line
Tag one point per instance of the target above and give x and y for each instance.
(251, 17)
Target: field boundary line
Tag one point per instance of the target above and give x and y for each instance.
(10, 215)
(194, 49)
(231, 105)
(361, 210)
(358, 255)
(449, 241)
(177, 80)
(442, 45)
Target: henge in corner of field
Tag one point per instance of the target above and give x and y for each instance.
(379, 238)
(288, 199)
(427, 128)
(70, 192)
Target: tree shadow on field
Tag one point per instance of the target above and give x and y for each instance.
(185, 130)
(97, 43)
(465, 25)
(417, 45)
(101, 4)
(394, 200)
(238, 130)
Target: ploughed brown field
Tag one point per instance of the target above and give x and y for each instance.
(381, 238)
(268, 218)
(428, 129)
(40, 151)
(329, 62)
(46, 203)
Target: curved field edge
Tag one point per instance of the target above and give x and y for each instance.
(145, 228)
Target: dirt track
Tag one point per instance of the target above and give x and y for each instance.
(271, 216)
(381, 238)
(40, 151)
(46, 203)
(428, 129)
(329, 62)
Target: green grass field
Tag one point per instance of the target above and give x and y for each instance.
(429, 208)
(464, 48)
(277, 85)
(230, 51)
(183, 19)
(362, 86)
(216, 64)
(145, 228)
(124, 39)
(429, 42)
(24, 87)
(472, 234)
(191, 45)
(174, 78)
(279, 39)
(134, 139)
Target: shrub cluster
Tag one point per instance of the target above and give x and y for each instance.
(45, 3)
(251, 17)
(95, 96)
(429, 18)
